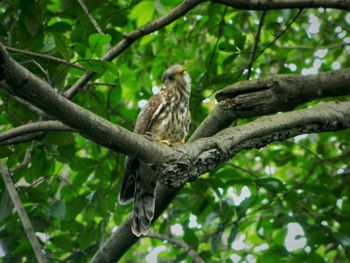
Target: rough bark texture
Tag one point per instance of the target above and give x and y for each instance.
(183, 163)
(282, 92)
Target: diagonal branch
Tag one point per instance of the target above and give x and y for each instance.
(131, 37)
(43, 56)
(179, 243)
(91, 18)
(22, 214)
(33, 127)
(25, 85)
(255, 45)
(205, 154)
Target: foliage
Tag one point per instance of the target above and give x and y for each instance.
(70, 187)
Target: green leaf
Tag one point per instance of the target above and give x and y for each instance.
(98, 42)
(49, 44)
(5, 151)
(190, 237)
(228, 61)
(240, 41)
(58, 209)
(99, 66)
(227, 47)
(272, 184)
(233, 234)
(59, 27)
(142, 12)
(63, 241)
(62, 45)
(216, 238)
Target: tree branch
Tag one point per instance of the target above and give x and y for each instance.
(22, 214)
(33, 127)
(27, 86)
(281, 4)
(91, 18)
(270, 95)
(43, 56)
(131, 37)
(205, 154)
(190, 251)
(255, 45)
(188, 5)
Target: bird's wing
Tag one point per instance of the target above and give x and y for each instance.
(149, 113)
(151, 110)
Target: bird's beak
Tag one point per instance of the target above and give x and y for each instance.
(182, 70)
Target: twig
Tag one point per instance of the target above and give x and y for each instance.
(330, 46)
(220, 30)
(279, 34)
(44, 71)
(191, 252)
(24, 163)
(36, 126)
(255, 45)
(102, 84)
(47, 57)
(272, 42)
(22, 214)
(131, 37)
(92, 19)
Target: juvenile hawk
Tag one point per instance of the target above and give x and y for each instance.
(166, 119)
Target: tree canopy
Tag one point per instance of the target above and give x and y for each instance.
(265, 174)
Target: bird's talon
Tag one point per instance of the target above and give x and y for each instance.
(149, 136)
(165, 142)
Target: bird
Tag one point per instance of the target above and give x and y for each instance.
(164, 119)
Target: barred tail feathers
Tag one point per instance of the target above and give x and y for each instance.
(144, 200)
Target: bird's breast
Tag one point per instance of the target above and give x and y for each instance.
(173, 122)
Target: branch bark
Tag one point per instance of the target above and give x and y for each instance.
(22, 214)
(282, 92)
(281, 4)
(204, 155)
(188, 5)
(33, 127)
(25, 85)
(43, 56)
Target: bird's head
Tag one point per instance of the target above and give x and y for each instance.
(176, 75)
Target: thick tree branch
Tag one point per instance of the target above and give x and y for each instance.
(280, 4)
(205, 154)
(188, 5)
(179, 243)
(27, 86)
(22, 214)
(282, 92)
(121, 240)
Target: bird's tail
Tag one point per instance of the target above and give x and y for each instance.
(144, 200)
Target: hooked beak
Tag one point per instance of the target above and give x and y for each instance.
(181, 71)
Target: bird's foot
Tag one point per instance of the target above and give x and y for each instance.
(181, 142)
(149, 136)
(165, 142)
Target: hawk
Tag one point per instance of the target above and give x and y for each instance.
(165, 118)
